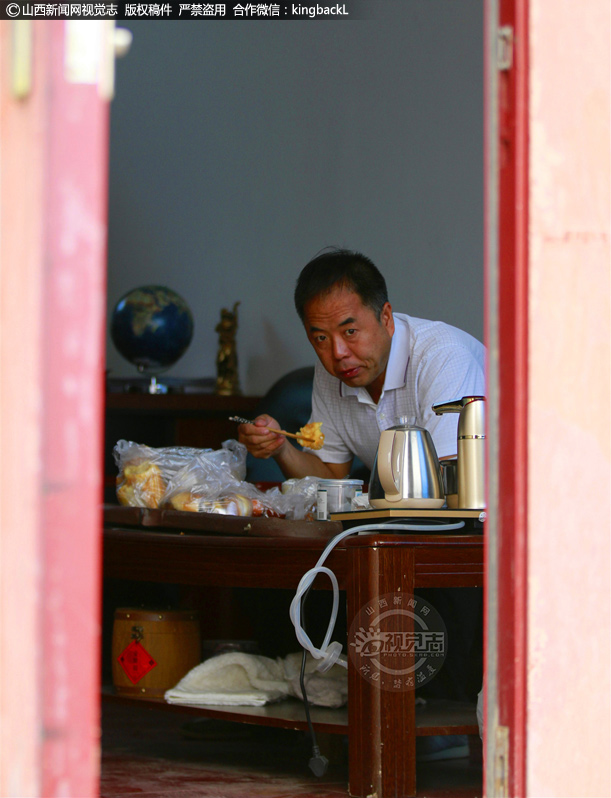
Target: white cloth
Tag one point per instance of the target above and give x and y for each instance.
(430, 362)
(232, 679)
(328, 689)
(238, 679)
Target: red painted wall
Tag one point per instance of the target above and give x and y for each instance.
(569, 407)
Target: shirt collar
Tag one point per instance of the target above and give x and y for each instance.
(396, 369)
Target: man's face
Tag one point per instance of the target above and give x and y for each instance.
(351, 343)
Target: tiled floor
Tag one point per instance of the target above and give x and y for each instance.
(146, 754)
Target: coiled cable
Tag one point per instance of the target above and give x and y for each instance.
(330, 653)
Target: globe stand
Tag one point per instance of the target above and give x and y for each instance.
(157, 387)
(154, 387)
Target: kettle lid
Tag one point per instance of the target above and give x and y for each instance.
(405, 423)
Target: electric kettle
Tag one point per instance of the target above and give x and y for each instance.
(471, 449)
(406, 470)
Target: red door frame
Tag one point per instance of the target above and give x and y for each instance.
(72, 442)
(506, 225)
(54, 197)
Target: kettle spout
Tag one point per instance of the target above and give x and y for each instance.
(448, 407)
(456, 405)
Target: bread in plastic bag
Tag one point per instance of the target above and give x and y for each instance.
(144, 471)
(205, 481)
(202, 486)
(242, 498)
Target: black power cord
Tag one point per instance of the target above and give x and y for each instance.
(318, 763)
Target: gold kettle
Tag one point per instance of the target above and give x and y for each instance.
(471, 449)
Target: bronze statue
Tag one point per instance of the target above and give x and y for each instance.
(227, 379)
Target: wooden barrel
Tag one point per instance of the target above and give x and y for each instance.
(153, 650)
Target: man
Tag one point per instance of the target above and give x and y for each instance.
(374, 367)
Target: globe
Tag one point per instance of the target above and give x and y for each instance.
(151, 326)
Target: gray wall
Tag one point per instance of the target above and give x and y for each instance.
(241, 149)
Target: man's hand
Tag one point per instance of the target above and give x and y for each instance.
(258, 439)
(262, 442)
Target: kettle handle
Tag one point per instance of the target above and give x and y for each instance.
(386, 473)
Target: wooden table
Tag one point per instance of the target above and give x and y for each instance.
(381, 723)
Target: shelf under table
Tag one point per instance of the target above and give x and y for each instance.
(382, 725)
(435, 717)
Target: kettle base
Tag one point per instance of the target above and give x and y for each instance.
(416, 504)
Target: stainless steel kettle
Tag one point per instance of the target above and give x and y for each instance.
(406, 470)
(471, 449)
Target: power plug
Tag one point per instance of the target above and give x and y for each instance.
(318, 763)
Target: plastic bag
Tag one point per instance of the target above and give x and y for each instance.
(205, 486)
(205, 481)
(202, 486)
(300, 497)
(145, 472)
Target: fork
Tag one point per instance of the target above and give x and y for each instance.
(241, 420)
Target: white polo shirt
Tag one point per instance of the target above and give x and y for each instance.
(430, 362)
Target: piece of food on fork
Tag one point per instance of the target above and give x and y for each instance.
(311, 436)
